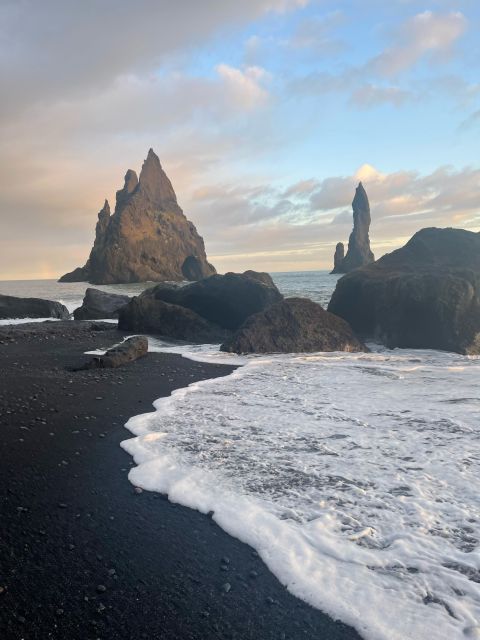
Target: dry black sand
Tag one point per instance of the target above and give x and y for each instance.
(82, 555)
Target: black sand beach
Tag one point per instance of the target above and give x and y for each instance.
(82, 554)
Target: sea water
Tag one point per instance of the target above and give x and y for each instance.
(355, 476)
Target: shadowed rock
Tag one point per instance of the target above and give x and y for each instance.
(146, 313)
(424, 295)
(293, 325)
(128, 351)
(338, 257)
(359, 252)
(13, 307)
(226, 300)
(260, 276)
(147, 238)
(98, 305)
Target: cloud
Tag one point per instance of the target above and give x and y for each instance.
(245, 85)
(383, 78)
(369, 95)
(315, 33)
(59, 49)
(427, 33)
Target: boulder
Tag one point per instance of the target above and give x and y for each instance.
(293, 325)
(13, 307)
(224, 300)
(425, 295)
(147, 314)
(129, 350)
(260, 276)
(148, 237)
(359, 252)
(98, 305)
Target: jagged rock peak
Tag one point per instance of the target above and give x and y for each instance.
(359, 252)
(105, 209)
(131, 181)
(129, 186)
(148, 237)
(154, 182)
(360, 201)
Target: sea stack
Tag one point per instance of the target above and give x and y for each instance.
(338, 257)
(148, 237)
(359, 253)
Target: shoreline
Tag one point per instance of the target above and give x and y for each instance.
(83, 555)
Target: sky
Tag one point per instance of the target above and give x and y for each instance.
(265, 115)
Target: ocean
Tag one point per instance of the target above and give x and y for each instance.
(354, 476)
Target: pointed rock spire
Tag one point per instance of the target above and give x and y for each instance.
(338, 257)
(102, 225)
(154, 182)
(129, 186)
(148, 237)
(359, 252)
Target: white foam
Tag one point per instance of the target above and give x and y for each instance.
(355, 476)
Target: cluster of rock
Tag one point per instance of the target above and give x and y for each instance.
(246, 312)
(148, 237)
(13, 307)
(425, 295)
(359, 252)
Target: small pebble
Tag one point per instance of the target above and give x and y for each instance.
(226, 587)
(101, 588)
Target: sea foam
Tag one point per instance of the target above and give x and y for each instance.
(355, 476)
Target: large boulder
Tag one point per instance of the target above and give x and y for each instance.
(358, 252)
(99, 305)
(13, 307)
(424, 295)
(293, 325)
(147, 314)
(225, 300)
(129, 350)
(147, 238)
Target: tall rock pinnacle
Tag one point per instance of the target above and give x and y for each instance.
(359, 252)
(148, 237)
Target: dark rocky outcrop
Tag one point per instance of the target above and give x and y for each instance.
(359, 252)
(13, 307)
(98, 305)
(260, 276)
(225, 300)
(424, 295)
(293, 325)
(148, 237)
(129, 350)
(146, 313)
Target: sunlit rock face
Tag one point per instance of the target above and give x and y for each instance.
(359, 253)
(148, 237)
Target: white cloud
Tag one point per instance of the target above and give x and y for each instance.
(427, 33)
(245, 86)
